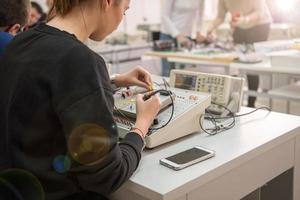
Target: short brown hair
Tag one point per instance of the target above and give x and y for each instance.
(14, 12)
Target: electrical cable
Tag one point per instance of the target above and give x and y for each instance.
(161, 91)
(244, 114)
(219, 125)
(167, 92)
(171, 116)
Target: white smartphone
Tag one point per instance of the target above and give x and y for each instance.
(187, 158)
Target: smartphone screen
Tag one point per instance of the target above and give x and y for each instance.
(187, 156)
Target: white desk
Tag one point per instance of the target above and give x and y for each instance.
(258, 149)
(257, 68)
(264, 68)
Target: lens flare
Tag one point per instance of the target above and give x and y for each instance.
(20, 184)
(62, 164)
(89, 144)
(286, 5)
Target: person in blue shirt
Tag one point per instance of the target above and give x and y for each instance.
(13, 16)
(5, 38)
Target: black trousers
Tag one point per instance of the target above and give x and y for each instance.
(257, 33)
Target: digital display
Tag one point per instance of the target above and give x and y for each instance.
(188, 156)
(187, 82)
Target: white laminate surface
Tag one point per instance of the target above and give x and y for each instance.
(253, 135)
(264, 67)
(261, 67)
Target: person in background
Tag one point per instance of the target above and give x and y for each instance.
(57, 104)
(178, 19)
(36, 15)
(250, 23)
(13, 17)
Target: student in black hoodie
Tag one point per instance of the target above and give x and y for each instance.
(56, 118)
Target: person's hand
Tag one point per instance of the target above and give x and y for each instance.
(200, 38)
(138, 77)
(210, 38)
(235, 16)
(238, 20)
(146, 112)
(184, 41)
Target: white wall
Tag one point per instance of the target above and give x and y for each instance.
(211, 9)
(141, 11)
(148, 11)
(42, 3)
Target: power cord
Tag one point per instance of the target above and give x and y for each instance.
(172, 111)
(169, 93)
(219, 123)
(218, 126)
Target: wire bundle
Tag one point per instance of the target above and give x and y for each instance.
(220, 124)
(165, 91)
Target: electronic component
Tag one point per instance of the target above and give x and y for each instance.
(163, 45)
(186, 112)
(162, 92)
(221, 87)
(128, 105)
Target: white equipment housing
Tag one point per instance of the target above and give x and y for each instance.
(188, 108)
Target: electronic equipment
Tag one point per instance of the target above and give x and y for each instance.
(162, 92)
(187, 158)
(172, 122)
(226, 91)
(164, 45)
(127, 105)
